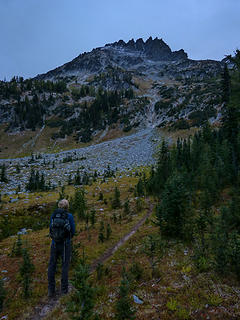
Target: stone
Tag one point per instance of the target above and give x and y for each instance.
(137, 300)
(22, 231)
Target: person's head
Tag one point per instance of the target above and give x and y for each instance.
(63, 204)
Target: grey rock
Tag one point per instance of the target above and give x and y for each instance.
(137, 300)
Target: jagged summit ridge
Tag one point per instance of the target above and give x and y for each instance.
(154, 49)
(127, 55)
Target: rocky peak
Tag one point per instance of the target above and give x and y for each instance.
(154, 49)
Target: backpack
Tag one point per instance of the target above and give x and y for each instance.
(60, 227)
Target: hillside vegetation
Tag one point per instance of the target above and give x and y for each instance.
(182, 263)
(105, 93)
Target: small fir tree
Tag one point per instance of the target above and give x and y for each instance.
(26, 271)
(74, 254)
(83, 299)
(126, 209)
(100, 198)
(3, 176)
(124, 310)
(17, 248)
(140, 188)
(2, 294)
(114, 217)
(77, 178)
(108, 231)
(80, 205)
(116, 203)
(101, 233)
(100, 271)
(93, 217)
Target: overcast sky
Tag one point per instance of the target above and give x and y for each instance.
(39, 35)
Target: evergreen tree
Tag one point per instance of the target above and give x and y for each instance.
(226, 84)
(18, 251)
(2, 294)
(108, 231)
(140, 188)
(99, 271)
(126, 209)
(174, 212)
(139, 204)
(156, 183)
(3, 176)
(116, 203)
(114, 217)
(101, 232)
(124, 310)
(93, 217)
(26, 271)
(83, 298)
(69, 179)
(100, 198)
(154, 248)
(74, 254)
(77, 179)
(80, 205)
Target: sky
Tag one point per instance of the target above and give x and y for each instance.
(39, 35)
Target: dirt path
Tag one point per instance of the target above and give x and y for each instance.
(42, 310)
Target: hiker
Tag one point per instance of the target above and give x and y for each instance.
(62, 229)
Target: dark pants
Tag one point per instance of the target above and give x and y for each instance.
(62, 250)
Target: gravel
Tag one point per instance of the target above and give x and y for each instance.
(123, 154)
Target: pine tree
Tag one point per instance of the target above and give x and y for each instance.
(100, 198)
(114, 217)
(18, 251)
(83, 299)
(93, 217)
(26, 271)
(74, 254)
(126, 210)
(108, 231)
(116, 203)
(2, 294)
(124, 310)
(77, 179)
(140, 188)
(154, 248)
(139, 204)
(3, 176)
(80, 205)
(174, 211)
(226, 84)
(156, 183)
(99, 271)
(101, 233)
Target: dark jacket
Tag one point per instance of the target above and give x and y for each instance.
(70, 219)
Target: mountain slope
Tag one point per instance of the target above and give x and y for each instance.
(118, 87)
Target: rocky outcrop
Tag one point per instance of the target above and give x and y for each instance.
(156, 50)
(121, 54)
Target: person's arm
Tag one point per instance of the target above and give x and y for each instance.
(72, 224)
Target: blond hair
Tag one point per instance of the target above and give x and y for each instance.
(63, 204)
